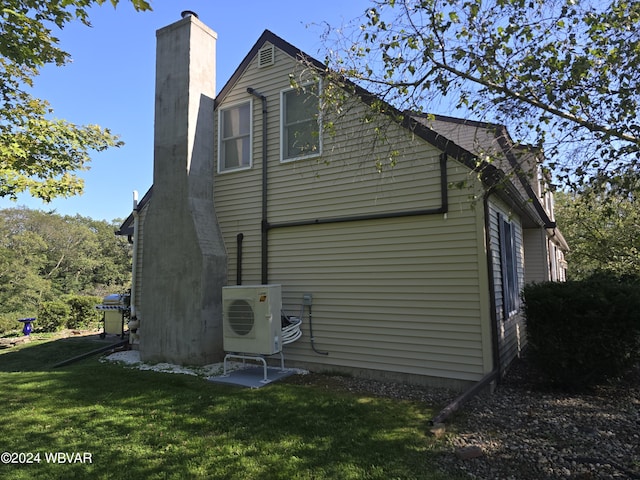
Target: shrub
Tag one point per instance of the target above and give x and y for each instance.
(52, 316)
(83, 311)
(582, 332)
(9, 324)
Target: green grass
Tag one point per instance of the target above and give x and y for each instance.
(149, 425)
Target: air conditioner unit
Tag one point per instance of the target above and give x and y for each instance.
(251, 319)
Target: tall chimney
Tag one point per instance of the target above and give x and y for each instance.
(184, 264)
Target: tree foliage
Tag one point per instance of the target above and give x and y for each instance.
(39, 153)
(44, 256)
(562, 74)
(603, 229)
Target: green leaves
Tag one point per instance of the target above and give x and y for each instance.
(43, 255)
(561, 74)
(603, 227)
(38, 153)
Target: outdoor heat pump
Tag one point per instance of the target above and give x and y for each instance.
(251, 319)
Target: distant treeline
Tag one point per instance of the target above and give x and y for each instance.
(44, 256)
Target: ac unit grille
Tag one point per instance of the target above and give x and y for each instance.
(241, 317)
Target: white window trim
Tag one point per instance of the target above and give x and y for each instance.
(219, 153)
(282, 147)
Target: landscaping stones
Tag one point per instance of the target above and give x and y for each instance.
(468, 452)
(529, 432)
(438, 430)
(13, 341)
(524, 431)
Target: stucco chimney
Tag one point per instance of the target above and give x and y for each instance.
(183, 257)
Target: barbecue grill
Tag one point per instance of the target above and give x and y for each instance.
(116, 309)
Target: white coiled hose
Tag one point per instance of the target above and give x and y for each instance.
(291, 332)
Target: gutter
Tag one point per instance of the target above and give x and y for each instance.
(526, 185)
(442, 209)
(264, 224)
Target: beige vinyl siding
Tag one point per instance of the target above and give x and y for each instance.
(396, 295)
(511, 331)
(238, 195)
(137, 282)
(387, 294)
(536, 257)
(345, 181)
(558, 263)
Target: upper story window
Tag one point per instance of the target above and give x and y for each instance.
(234, 137)
(300, 120)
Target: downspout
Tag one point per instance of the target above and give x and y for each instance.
(134, 323)
(444, 185)
(497, 364)
(264, 228)
(134, 254)
(239, 238)
(494, 375)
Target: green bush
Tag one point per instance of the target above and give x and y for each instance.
(52, 316)
(583, 332)
(83, 311)
(9, 324)
(71, 311)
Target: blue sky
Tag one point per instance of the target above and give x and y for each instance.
(111, 80)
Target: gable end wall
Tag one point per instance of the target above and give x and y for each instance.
(402, 297)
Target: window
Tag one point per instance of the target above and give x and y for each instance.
(509, 263)
(300, 123)
(234, 134)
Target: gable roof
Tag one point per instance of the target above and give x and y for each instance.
(438, 130)
(464, 140)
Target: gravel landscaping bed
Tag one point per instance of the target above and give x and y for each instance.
(526, 431)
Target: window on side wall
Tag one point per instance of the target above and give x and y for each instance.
(509, 262)
(300, 120)
(234, 137)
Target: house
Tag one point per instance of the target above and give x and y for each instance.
(414, 270)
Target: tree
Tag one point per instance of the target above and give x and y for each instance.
(561, 74)
(38, 153)
(22, 256)
(603, 228)
(44, 256)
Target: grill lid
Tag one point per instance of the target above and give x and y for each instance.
(115, 301)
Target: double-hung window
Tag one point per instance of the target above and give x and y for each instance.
(509, 262)
(300, 120)
(234, 137)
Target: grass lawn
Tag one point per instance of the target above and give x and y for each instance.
(132, 424)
